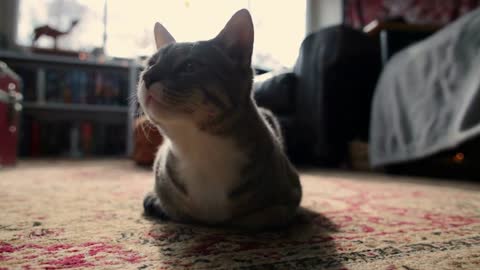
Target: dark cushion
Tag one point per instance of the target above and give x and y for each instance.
(276, 92)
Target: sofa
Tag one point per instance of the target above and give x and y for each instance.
(323, 102)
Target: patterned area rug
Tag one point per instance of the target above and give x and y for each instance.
(87, 214)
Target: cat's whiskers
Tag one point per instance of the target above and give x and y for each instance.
(178, 93)
(171, 100)
(132, 99)
(191, 99)
(150, 126)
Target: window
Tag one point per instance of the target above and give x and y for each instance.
(279, 25)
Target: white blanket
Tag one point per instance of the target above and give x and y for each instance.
(428, 97)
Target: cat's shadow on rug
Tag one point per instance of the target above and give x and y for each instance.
(306, 244)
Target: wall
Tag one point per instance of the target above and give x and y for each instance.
(8, 23)
(323, 13)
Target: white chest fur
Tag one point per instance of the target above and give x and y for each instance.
(209, 167)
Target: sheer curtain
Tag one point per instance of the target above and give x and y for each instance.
(279, 25)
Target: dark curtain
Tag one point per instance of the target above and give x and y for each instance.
(358, 13)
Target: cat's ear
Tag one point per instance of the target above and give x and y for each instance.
(162, 36)
(237, 38)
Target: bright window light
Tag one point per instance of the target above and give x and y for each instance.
(279, 25)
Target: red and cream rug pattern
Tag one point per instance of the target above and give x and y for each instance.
(88, 215)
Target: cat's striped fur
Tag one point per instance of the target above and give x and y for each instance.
(222, 162)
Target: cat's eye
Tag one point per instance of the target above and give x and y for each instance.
(188, 67)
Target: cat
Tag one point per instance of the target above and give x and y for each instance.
(222, 162)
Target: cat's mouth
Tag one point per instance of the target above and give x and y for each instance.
(152, 99)
(154, 94)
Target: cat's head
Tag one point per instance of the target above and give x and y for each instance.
(202, 81)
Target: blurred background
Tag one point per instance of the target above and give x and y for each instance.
(69, 69)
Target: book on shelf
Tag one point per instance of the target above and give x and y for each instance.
(62, 138)
(29, 86)
(86, 87)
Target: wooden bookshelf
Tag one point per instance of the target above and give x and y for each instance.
(83, 103)
(55, 60)
(75, 107)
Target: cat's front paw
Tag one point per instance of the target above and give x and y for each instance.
(152, 207)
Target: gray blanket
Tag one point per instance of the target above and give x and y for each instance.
(428, 97)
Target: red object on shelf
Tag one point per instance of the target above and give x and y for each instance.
(10, 97)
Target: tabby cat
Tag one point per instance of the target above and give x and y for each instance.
(222, 162)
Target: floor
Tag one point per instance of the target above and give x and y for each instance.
(58, 214)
